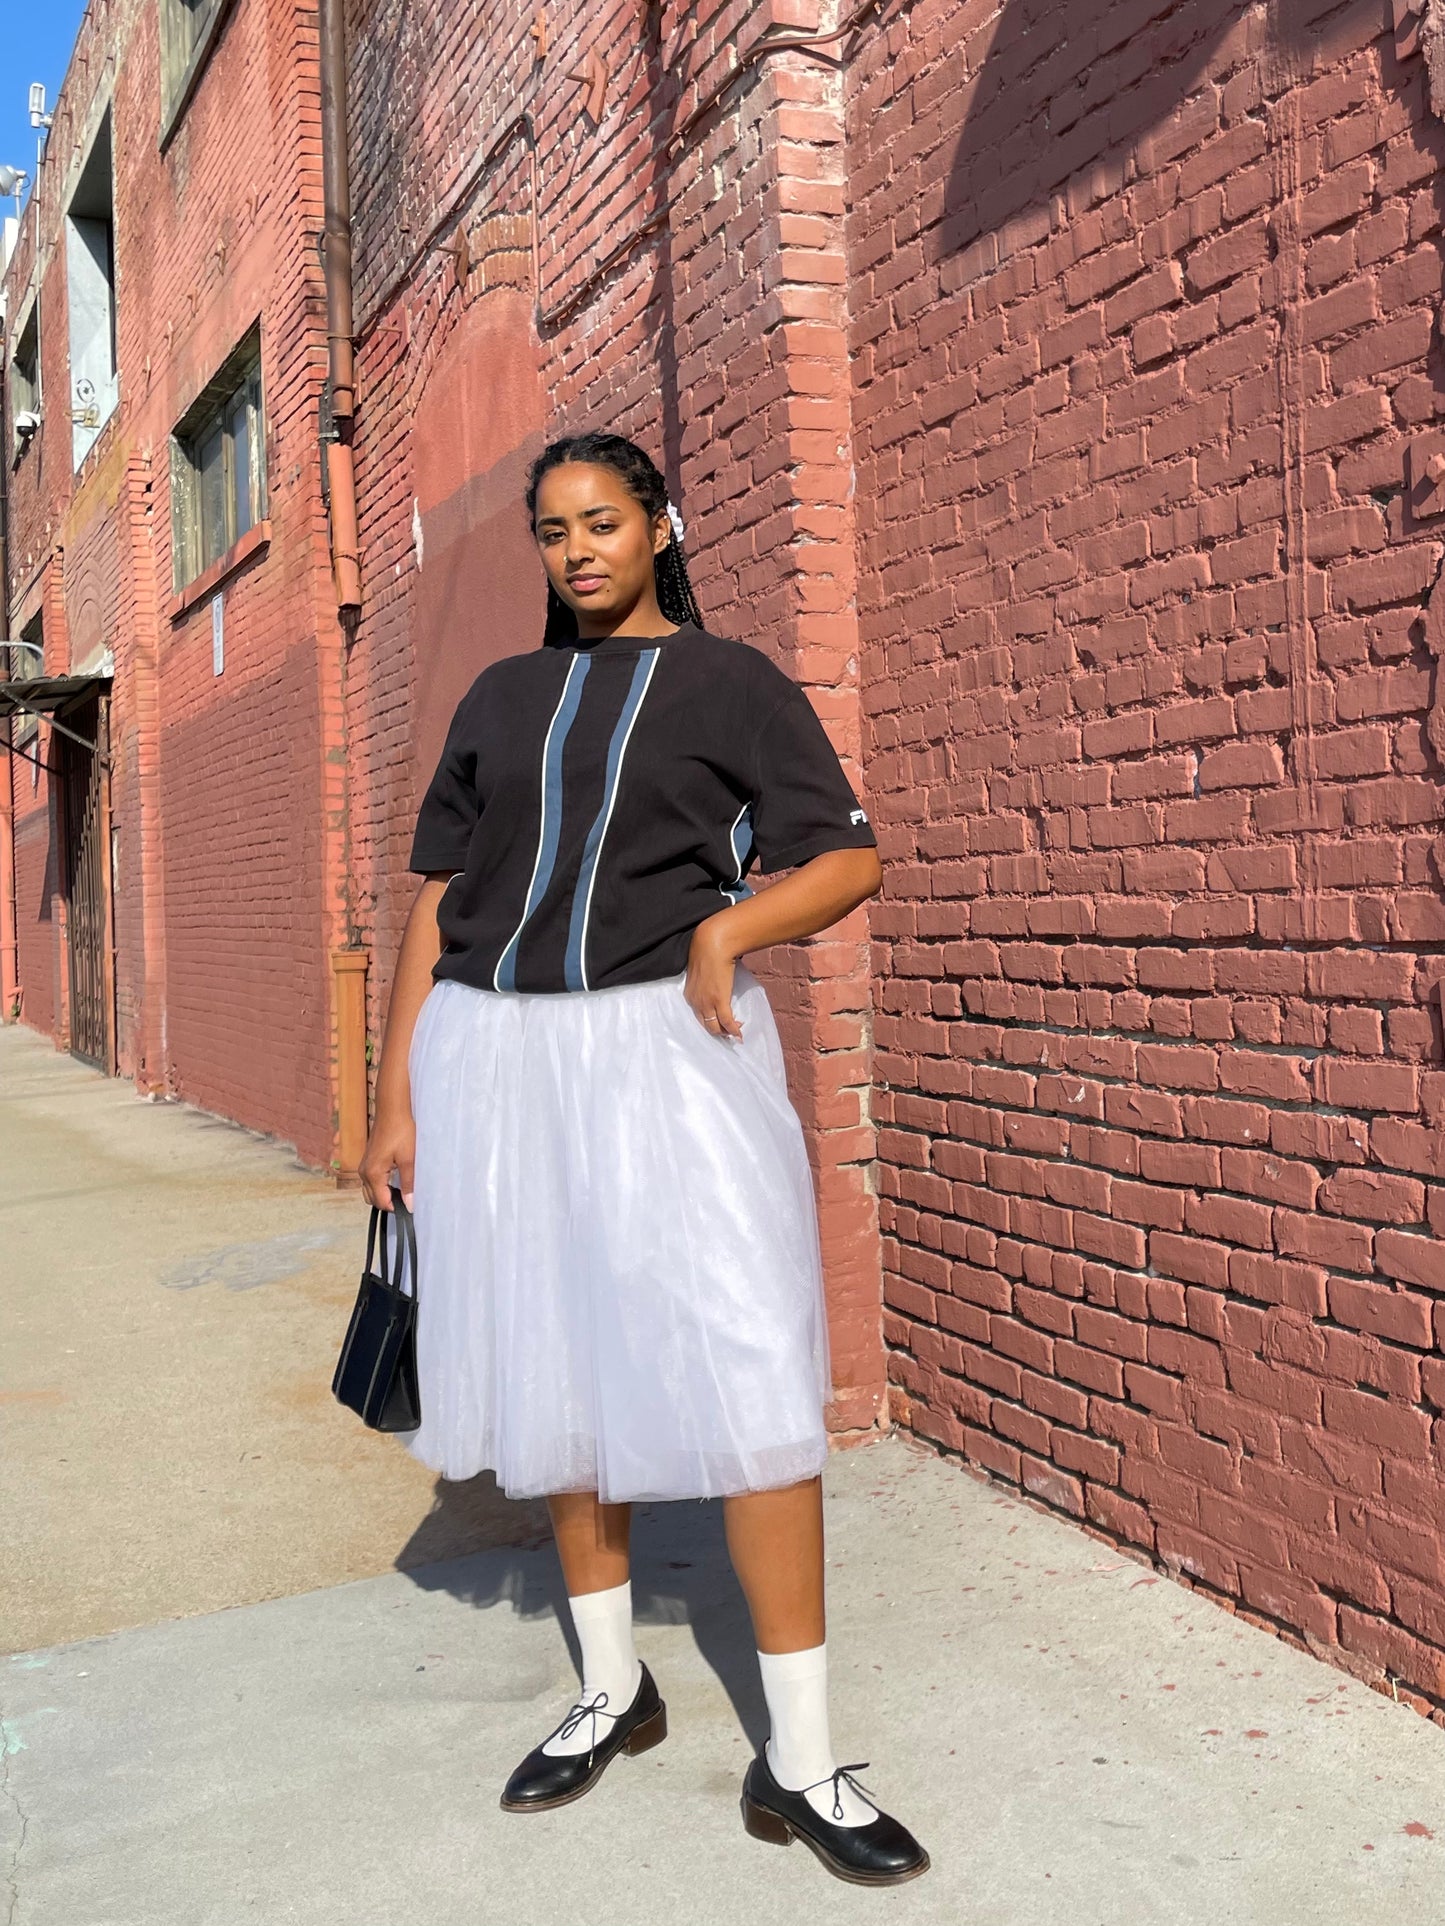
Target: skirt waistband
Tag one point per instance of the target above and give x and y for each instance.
(653, 986)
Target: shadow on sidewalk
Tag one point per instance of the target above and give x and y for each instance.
(681, 1575)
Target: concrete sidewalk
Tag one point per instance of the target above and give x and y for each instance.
(200, 1726)
(1076, 1742)
(175, 1291)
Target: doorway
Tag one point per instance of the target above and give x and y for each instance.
(87, 885)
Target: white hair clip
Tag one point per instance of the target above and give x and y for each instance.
(676, 520)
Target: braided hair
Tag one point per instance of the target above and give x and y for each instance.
(643, 481)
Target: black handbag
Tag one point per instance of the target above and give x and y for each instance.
(376, 1373)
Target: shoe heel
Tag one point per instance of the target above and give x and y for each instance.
(763, 1824)
(651, 1732)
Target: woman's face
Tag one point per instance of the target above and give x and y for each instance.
(598, 545)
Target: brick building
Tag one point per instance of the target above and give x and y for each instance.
(1147, 369)
(169, 902)
(1054, 394)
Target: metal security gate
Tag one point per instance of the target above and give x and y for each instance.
(87, 888)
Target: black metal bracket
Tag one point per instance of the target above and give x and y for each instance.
(326, 431)
(43, 715)
(14, 749)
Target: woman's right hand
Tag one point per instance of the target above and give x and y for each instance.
(392, 1144)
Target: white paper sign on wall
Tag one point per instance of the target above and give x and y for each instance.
(218, 633)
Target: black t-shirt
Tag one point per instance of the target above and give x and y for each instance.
(595, 802)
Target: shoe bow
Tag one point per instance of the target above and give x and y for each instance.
(583, 1709)
(843, 1772)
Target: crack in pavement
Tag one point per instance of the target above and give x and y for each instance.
(7, 1791)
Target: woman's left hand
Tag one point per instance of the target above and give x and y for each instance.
(709, 985)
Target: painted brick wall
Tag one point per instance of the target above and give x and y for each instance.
(36, 588)
(229, 821)
(1143, 330)
(1055, 407)
(688, 292)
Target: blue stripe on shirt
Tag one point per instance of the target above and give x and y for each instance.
(550, 827)
(575, 970)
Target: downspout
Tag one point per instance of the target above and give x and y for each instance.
(348, 964)
(340, 352)
(9, 908)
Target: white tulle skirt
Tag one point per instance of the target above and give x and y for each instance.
(620, 1280)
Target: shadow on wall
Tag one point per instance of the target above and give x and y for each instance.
(53, 882)
(1055, 90)
(479, 593)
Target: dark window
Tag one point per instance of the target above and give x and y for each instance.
(188, 31)
(90, 283)
(26, 374)
(25, 365)
(218, 465)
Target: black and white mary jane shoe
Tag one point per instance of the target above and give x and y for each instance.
(547, 1779)
(882, 1853)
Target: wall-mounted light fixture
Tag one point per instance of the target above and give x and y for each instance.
(12, 179)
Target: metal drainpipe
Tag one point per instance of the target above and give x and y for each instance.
(348, 965)
(9, 909)
(336, 262)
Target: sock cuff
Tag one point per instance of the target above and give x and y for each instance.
(809, 1664)
(615, 1601)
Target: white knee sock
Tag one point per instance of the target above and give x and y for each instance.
(609, 1662)
(800, 1752)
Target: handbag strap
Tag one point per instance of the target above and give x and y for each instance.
(402, 1229)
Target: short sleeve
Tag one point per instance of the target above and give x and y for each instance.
(450, 808)
(803, 803)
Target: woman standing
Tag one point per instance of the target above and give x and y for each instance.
(583, 1086)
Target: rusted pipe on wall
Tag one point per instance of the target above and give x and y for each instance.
(9, 914)
(4, 490)
(9, 919)
(348, 983)
(348, 965)
(336, 264)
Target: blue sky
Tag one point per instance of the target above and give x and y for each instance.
(37, 36)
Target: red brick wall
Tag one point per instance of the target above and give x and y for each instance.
(229, 818)
(37, 905)
(1055, 408)
(1142, 332)
(716, 338)
(36, 588)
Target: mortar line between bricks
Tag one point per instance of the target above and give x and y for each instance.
(1149, 1322)
(1118, 1033)
(1285, 133)
(1250, 944)
(1201, 1191)
(1302, 1107)
(1149, 1039)
(1415, 1228)
(1163, 1183)
(1149, 1270)
(1424, 1403)
(1278, 1106)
